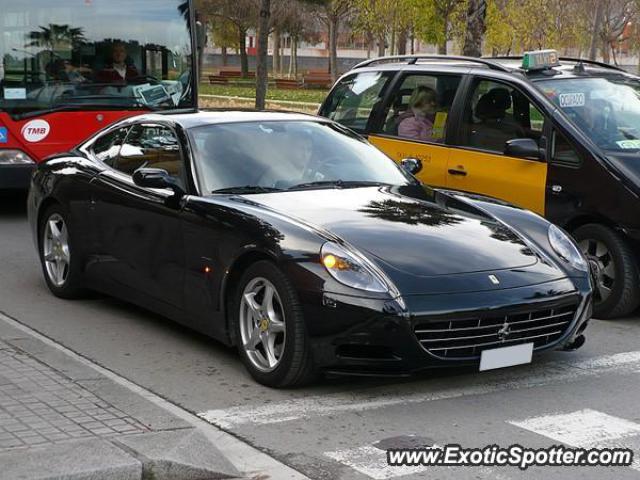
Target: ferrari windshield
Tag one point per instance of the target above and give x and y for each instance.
(94, 53)
(288, 154)
(607, 110)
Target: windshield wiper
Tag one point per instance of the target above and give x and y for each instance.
(247, 189)
(336, 184)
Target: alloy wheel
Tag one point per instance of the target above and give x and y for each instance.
(262, 324)
(56, 252)
(602, 266)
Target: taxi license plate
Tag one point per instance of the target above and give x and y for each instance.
(506, 356)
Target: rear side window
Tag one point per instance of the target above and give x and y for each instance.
(354, 98)
(419, 108)
(107, 147)
(498, 113)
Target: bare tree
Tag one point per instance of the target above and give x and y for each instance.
(280, 12)
(242, 14)
(332, 13)
(476, 27)
(261, 67)
(616, 15)
(295, 22)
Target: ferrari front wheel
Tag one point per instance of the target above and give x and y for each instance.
(270, 329)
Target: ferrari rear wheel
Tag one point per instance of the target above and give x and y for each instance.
(59, 265)
(270, 328)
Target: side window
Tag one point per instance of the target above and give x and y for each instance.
(497, 113)
(107, 147)
(563, 153)
(151, 146)
(355, 97)
(420, 107)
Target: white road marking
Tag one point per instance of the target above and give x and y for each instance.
(376, 398)
(586, 429)
(372, 462)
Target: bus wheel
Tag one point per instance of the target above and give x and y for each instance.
(615, 270)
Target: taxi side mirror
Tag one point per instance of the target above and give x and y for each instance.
(411, 165)
(523, 148)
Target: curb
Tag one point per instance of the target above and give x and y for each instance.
(177, 446)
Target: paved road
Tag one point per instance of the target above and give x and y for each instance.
(339, 428)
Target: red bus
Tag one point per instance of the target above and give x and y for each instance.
(69, 68)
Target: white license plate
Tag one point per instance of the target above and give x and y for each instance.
(506, 356)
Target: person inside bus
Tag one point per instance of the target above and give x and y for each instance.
(119, 70)
(64, 71)
(417, 122)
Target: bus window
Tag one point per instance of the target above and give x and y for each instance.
(103, 53)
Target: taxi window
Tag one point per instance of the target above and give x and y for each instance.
(563, 153)
(150, 146)
(354, 98)
(497, 113)
(420, 107)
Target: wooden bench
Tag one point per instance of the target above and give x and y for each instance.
(317, 81)
(313, 72)
(288, 84)
(218, 80)
(235, 74)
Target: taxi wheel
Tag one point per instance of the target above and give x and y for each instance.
(60, 266)
(270, 329)
(615, 270)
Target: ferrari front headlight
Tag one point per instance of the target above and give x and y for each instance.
(350, 269)
(565, 247)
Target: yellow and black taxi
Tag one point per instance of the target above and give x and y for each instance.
(558, 136)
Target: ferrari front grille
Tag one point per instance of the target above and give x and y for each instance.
(468, 336)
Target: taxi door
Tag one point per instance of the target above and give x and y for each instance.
(430, 146)
(496, 112)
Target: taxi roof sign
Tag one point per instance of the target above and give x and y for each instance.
(540, 60)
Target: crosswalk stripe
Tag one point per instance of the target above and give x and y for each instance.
(376, 398)
(586, 429)
(372, 462)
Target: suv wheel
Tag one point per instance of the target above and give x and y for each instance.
(615, 270)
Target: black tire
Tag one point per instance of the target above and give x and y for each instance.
(296, 365)
(625, 290)
(72, 286)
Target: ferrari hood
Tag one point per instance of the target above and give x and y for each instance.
(415, 230)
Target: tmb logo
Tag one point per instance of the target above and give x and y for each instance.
(36, 131)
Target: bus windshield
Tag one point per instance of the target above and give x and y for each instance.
(607, 109)
(105, 54)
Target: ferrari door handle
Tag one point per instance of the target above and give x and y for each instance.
(453, 171)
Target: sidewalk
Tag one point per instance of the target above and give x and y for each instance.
(61, 417)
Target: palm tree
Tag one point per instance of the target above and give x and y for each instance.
(55, 36)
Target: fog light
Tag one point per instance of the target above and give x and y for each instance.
(15, 157)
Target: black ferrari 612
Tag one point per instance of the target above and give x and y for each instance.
(294, 239)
